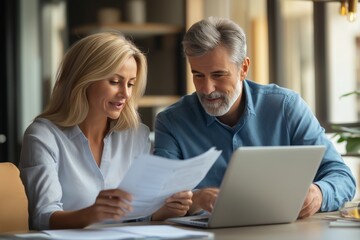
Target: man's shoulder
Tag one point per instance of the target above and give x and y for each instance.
(266, 91)
(270, 88)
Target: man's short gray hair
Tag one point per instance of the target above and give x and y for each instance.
(209, 33)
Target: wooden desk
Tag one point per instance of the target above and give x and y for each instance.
(314, 228)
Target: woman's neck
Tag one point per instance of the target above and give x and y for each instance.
(94, 128)
(95, 131)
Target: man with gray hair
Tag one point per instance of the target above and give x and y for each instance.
(228, 111)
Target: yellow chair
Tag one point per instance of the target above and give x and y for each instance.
(13, 201)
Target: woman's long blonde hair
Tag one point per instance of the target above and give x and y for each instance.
(94, 58)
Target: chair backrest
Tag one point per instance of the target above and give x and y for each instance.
(13, 201)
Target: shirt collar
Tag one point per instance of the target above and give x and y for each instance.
(249, 104)
(73, 132)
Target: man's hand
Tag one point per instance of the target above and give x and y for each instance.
(204, 199)
(175, 206)
(312, 202)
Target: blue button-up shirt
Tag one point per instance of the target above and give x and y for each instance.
(273, 116)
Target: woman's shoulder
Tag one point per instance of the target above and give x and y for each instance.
(40, 126)
(141, 131)
(134, 137)
(44, 129)
(40, 134)
(144, 129)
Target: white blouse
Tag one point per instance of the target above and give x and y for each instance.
(59, 172)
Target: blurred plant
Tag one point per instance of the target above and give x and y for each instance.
(349, 134)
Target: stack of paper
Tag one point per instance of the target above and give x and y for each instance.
(338, 221)
(125, 232)
(344, 223)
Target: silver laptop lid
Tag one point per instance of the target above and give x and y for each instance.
(265, 185)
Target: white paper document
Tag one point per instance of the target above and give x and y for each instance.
(123, 232)
(152, 179)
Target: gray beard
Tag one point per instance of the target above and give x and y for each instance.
(222, 107)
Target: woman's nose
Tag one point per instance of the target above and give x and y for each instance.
(124, 92)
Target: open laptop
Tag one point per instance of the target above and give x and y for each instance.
(262, 185)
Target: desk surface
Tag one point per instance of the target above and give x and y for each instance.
(315, 228)
(312, 228)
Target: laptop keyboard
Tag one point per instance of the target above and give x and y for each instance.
(200, 219)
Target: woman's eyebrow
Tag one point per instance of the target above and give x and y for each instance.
(121, 77)
(117, 75)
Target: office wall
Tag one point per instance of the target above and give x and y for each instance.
(344, 66)
(30, 86)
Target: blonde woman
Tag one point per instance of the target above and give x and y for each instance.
(75, 153)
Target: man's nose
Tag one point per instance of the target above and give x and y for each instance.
(208, 86)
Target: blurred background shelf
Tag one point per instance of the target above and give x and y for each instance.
(157, 101)
(135, 30)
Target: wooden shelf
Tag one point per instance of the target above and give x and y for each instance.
(351, 155)
(136, 30)
(158, 100)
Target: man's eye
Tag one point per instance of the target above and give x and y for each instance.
(197, 75)
(218, 75)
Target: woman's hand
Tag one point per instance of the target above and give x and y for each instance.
(175, 206)
(109, 204)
